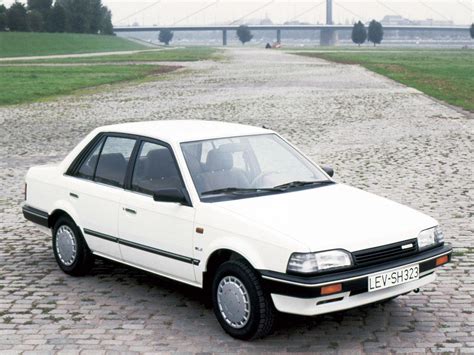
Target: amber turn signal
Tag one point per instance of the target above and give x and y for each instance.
(441, 260)
(327, 290)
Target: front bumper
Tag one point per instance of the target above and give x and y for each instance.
(302, 295)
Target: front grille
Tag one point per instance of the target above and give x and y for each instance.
(385, 253)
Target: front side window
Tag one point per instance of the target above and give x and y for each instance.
(113, 160)
(155, 169)
(257, 163)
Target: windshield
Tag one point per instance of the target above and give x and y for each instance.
(259, 163)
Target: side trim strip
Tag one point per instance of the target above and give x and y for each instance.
(101, 235)
(142, 247)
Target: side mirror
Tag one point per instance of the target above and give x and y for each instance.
(171, 195)
(328, 170)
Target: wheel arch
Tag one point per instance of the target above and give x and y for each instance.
(55, 215)
(62, 208)
(219, 256)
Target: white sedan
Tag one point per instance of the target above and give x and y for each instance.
(235, 210)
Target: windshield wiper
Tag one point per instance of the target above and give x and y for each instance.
(278, 188)
(238, 190)
(298, 183)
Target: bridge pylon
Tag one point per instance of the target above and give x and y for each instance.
(224, 37)
(328, 35)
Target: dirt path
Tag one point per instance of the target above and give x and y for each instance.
(79, 55)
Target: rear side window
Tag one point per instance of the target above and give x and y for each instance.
(113, 160)
(87, 169)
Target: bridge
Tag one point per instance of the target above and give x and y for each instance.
(328, 31)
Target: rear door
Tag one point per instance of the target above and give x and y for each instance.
(97, 190)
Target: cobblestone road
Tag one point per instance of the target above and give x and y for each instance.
(380, 136)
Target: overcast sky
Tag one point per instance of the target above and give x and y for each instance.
(194, 12)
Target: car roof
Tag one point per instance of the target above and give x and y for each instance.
(178, 131)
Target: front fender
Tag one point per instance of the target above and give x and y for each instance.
(259, 254)
(238, 245)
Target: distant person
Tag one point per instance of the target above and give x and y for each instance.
(268, 46)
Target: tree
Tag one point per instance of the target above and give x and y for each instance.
(106, 27)
(375, 34)
(244, 34)
(3, 18)
(77, 12)
(17, 17)
(57, 19)
(359, 33)
(35, 21)
(43, 6)
(87, 16)
(472, 30)
(165, 36)
(95, 16)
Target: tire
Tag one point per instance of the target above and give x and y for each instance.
(250, 310)
(70, 249)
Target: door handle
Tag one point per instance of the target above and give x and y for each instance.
(73, 195)
(129, 210)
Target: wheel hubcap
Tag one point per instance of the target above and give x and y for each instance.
(66, 245)
(233, 301)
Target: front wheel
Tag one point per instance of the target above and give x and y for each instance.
(240, 304)
(70, 249)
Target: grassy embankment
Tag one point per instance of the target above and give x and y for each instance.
(447, 75)
(39, 79)
(19, 44)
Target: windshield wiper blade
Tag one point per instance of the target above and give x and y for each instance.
(303, 183)
(237, 190)
(278, 188)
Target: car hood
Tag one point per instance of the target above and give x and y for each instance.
(332, 216)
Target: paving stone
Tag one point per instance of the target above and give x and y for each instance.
(378, 135)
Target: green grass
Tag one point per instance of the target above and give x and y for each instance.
(446, 75)
(187, 54)
(364, 48)
(19, 44)
(31, 83)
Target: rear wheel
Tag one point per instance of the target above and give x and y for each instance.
(240, 304)
(70, 249)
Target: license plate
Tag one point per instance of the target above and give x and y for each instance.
(393, 278)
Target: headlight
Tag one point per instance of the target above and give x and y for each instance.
(316, 262)
(430, 237)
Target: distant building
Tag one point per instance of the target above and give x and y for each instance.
(432, 22)
(395, 20)
(266, 21)
(295, 22)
